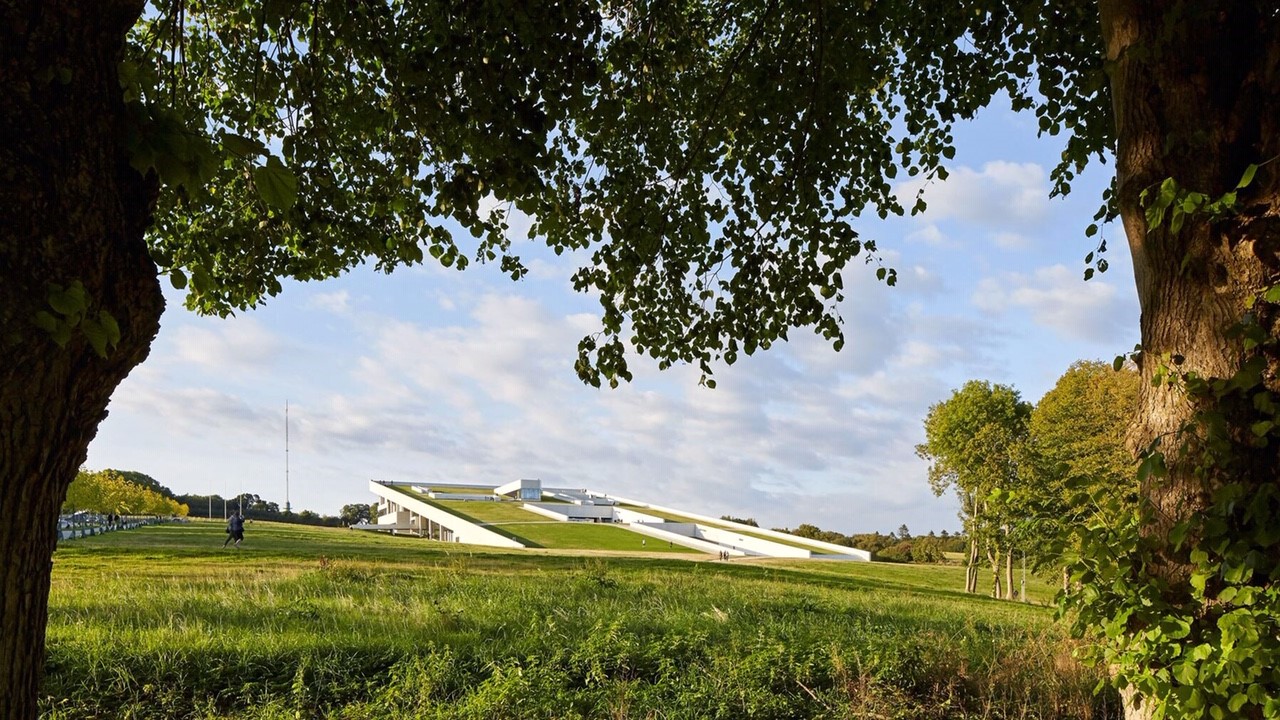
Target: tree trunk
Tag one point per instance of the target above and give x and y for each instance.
(71, 210)
(993, 557)
(1198, 105)
(971, 568)
(1008, 575)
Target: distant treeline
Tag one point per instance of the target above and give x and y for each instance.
(253, 506)
(900, 546)
(110, 492)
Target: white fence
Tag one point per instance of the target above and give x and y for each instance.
(81, 525)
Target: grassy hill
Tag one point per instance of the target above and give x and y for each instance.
(325, 623)
(538, 531)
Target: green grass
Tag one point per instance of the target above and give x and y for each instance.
(539, 531)
(325, 623)
(912, 578)
(593, 536)
(491, 512)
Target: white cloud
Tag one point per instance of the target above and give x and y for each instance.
(1011, 240)
(338, 303)
(1059, 299)
(929, 235)
(919, 280)
(236, 343)
(1008, 200)
(193, 411)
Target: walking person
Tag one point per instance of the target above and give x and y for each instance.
(235, 529)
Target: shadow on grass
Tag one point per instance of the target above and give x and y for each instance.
(269, 541)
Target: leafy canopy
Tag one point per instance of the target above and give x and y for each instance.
(1080, 472)
(113, 491)
(973, 439)
(707, 159)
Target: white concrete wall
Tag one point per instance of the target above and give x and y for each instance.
(750, 545)
(658, 533)
(718, 538)
(464, 531)
(522, 489)
(564, 511)
(850, 553)
(460, 496)
(628, 515)
(398, 517)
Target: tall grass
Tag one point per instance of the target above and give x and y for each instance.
(311, 623)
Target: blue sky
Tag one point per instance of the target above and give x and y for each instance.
(435, 375)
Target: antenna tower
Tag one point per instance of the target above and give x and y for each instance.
(286, 457)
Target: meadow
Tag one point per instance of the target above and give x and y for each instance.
(538, 531)
(303, 622)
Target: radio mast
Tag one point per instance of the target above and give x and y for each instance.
(286, 457)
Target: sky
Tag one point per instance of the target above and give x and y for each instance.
(434, 375)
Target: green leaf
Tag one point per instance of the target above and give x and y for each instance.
(243, 146)
(1152, 466)
(1247, 177)
(277, 186)
(110, 326)
(69, 301)
(96, 335)
(177, 279)
(46, 321)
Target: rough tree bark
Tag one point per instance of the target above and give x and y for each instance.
(1199, 108)
(969, 502)
(993, 557)
(71, 209)
(971, 568)
(1009, 574)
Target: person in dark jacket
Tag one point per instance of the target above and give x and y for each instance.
(235, 529)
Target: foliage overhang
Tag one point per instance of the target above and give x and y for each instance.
(710, 158)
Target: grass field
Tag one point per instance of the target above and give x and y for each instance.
(592, 536)
(324, 623)
(540, 531)
(490, 512)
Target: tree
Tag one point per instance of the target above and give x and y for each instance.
(927, 549)
(972, 443)
(145, 481)
(243, 141)
(112, 491)
(357, 513)
(1080, 472)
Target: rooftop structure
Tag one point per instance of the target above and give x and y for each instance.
(497, 515)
